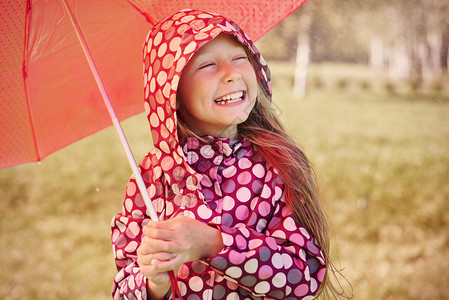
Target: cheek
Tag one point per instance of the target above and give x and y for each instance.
(253, 103)
(253, 86)
(251, 78)
(186, 94)
(197, 87)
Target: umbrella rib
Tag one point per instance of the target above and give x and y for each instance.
(290, 11)
(25, 77)
(151, 20)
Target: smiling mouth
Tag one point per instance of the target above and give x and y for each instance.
(231, 98)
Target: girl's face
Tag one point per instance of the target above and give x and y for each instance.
(218, 88)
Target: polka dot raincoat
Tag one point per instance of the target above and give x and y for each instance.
(222, 182)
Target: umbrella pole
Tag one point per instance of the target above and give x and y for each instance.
(114, 119)
(121, 134)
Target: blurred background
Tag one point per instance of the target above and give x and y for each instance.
(363, 88)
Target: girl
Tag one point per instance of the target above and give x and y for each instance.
(237, 200)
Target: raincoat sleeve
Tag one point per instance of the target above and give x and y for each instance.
(126, 227)
(283, 261)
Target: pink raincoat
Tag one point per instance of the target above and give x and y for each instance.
(221, 182)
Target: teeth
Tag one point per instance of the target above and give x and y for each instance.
(223, 102)
(230, 98)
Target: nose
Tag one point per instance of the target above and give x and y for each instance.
(230, 73)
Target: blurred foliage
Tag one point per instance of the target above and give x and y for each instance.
(342, 30)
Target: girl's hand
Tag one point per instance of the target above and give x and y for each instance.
(180, 240)
(158, 282)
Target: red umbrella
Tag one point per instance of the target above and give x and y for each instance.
(49, 99)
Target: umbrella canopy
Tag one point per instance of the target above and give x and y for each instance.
(48, 97)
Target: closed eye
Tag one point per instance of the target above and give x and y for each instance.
(241, 57)
(205, 65)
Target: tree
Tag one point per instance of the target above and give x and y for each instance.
(408, 39)
(409, 42)
(302, 51)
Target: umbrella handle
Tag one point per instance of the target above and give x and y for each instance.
(115, 121)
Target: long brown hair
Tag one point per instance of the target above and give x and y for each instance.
(271, 141)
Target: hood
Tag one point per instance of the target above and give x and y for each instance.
(168, 47)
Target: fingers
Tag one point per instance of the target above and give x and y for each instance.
(148, 250)
(170, 224)
(151, 259)
(151, 267)
(153, 264)
(152, 272)
(150, 245)
(160, 230)
(189, 239)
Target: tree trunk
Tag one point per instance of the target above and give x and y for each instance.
(302, 63)
(445, 50)
(444, 59)
(399, 61)
(426, 68)
(377, 55)
(435, 41)
(302, 53)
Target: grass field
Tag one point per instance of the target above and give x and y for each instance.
(383, 165)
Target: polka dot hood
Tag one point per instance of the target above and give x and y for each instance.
(168, 48)
(225, 183)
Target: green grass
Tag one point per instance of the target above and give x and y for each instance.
(383, 167)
